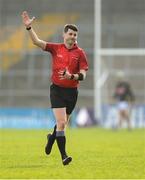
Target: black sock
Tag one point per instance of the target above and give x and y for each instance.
(61, 141)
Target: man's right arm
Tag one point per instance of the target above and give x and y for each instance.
(36, 41)
(28, 24)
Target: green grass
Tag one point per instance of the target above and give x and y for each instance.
(97, 153)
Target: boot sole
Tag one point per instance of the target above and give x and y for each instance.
(67, 160)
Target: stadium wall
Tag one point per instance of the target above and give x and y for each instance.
(38, 118)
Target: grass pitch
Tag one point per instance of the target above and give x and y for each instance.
(97, 153)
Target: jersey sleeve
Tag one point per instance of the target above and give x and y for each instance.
(83, 61)
(51, 47)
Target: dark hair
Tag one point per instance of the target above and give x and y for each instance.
(70, 26)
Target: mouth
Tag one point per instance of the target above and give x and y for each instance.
(70, 41)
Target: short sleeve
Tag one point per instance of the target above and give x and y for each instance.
(83, 61)
(51, 47)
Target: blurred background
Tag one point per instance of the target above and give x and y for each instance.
(25, 69)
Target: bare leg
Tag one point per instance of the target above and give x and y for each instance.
(120, 119)
(61, 118)
(127, 117)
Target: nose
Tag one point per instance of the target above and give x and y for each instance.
(73, 36)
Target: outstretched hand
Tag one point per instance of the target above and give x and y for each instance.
(26, 20)
(64, 74)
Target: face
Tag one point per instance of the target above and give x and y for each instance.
(70, 37)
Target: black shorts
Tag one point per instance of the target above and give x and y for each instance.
(63, 97)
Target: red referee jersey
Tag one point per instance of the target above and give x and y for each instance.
(73, 59)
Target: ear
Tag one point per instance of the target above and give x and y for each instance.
(63, 35)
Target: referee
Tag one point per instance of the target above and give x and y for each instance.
(69, 66)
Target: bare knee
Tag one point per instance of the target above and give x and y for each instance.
(61, 123)
(60, 116)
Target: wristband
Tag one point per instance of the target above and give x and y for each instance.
(80, 77)
(28, 28)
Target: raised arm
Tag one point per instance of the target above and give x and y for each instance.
(28, 24)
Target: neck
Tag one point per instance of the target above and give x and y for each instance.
(69, 46)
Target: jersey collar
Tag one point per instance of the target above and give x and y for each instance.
(74, 47)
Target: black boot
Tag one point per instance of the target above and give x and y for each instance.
(50, 141)
(66, 160)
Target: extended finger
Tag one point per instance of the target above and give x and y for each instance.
(33, 18)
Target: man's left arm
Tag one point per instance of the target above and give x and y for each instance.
(83, 67)
(79, 76)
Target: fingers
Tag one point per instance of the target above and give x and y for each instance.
(64, 74)
(25, 14)
(33, 18)
(61, 75)
(61, 72)
(26, 20)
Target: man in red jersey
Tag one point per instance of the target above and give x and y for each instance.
(69, 66)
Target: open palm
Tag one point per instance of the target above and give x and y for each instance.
(26, 20)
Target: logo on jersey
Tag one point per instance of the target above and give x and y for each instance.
(75, 58)
(59, 55)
